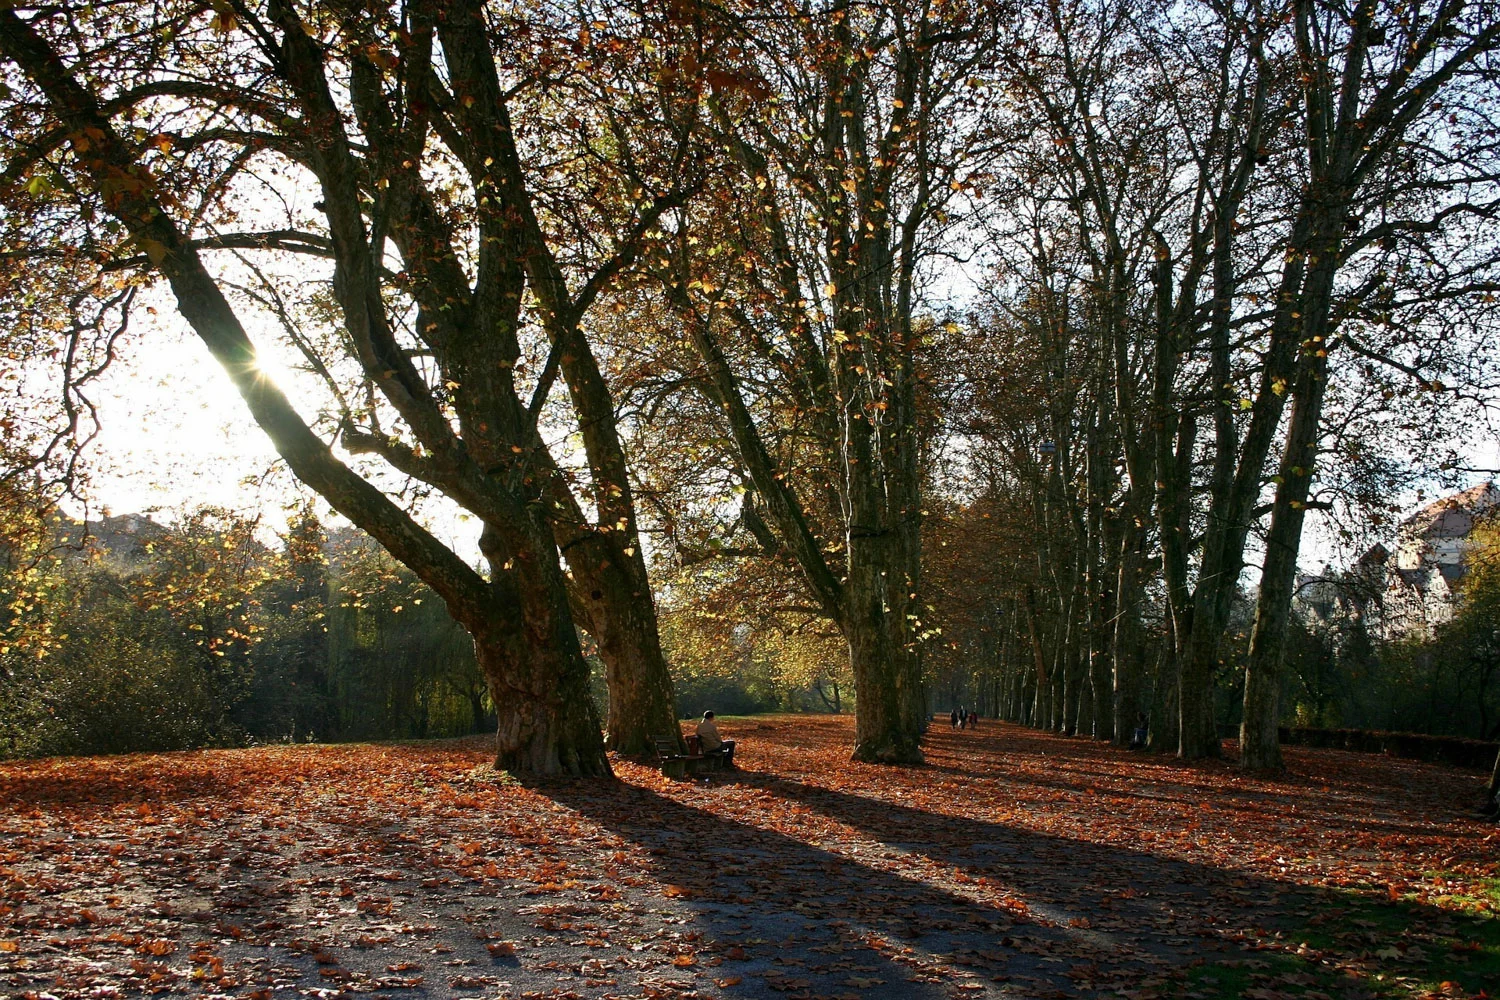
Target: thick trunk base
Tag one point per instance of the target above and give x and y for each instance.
(548, 725)
(535, 741)
(891, 710)
(895, 749)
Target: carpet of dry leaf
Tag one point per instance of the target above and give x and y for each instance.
(1015, 864)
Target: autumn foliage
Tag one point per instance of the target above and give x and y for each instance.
(1015, 863)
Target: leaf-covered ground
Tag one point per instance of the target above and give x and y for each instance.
(1016, 864)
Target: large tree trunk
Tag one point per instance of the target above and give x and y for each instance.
(892, 709)
(602, 545)
(1197, 732)
(537, 675)
(548, 724)
(641, 703)
(613, 600)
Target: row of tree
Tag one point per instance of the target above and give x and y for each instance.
(1344, 667)
(1228, 251)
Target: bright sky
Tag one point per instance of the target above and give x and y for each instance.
(176, 435)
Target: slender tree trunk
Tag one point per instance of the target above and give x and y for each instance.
(1164, 723)
(1065, 717)
(1492, 794)
(476, 709)
(1041, 701)
(1260, 748)
(1126, 687)
(1104, 628)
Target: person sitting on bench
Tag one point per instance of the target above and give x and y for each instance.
(713, 743)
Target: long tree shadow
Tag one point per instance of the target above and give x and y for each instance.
(1149, 904)
(1009, 911)
(1054, 874)
(1082, 764)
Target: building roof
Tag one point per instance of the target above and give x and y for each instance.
(1435, 516)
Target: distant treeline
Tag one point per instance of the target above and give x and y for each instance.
(1030, 662)
(124, 635)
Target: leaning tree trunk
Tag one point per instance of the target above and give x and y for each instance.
(1260, 743)
(523, 631)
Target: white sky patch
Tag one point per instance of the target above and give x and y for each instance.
(176, 435)
(175, 432)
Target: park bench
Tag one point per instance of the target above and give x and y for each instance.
(674, 764)
(679, 765)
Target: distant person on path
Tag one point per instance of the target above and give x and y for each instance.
(953, 718)
(1138, 738)
(713, 743)
(963, 717)
(973, 719)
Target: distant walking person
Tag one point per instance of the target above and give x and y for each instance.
(713, 743)
(973, 720)
(963, 717)
(953, 718)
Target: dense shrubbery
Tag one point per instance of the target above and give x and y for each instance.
(147, 638)
(1443, 683)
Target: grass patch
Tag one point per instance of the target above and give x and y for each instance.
(1475, 897)
(1351, 944)
(1267, 973)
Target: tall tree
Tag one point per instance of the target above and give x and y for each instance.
(845, 137)
(155, 121)
(1395, 150)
